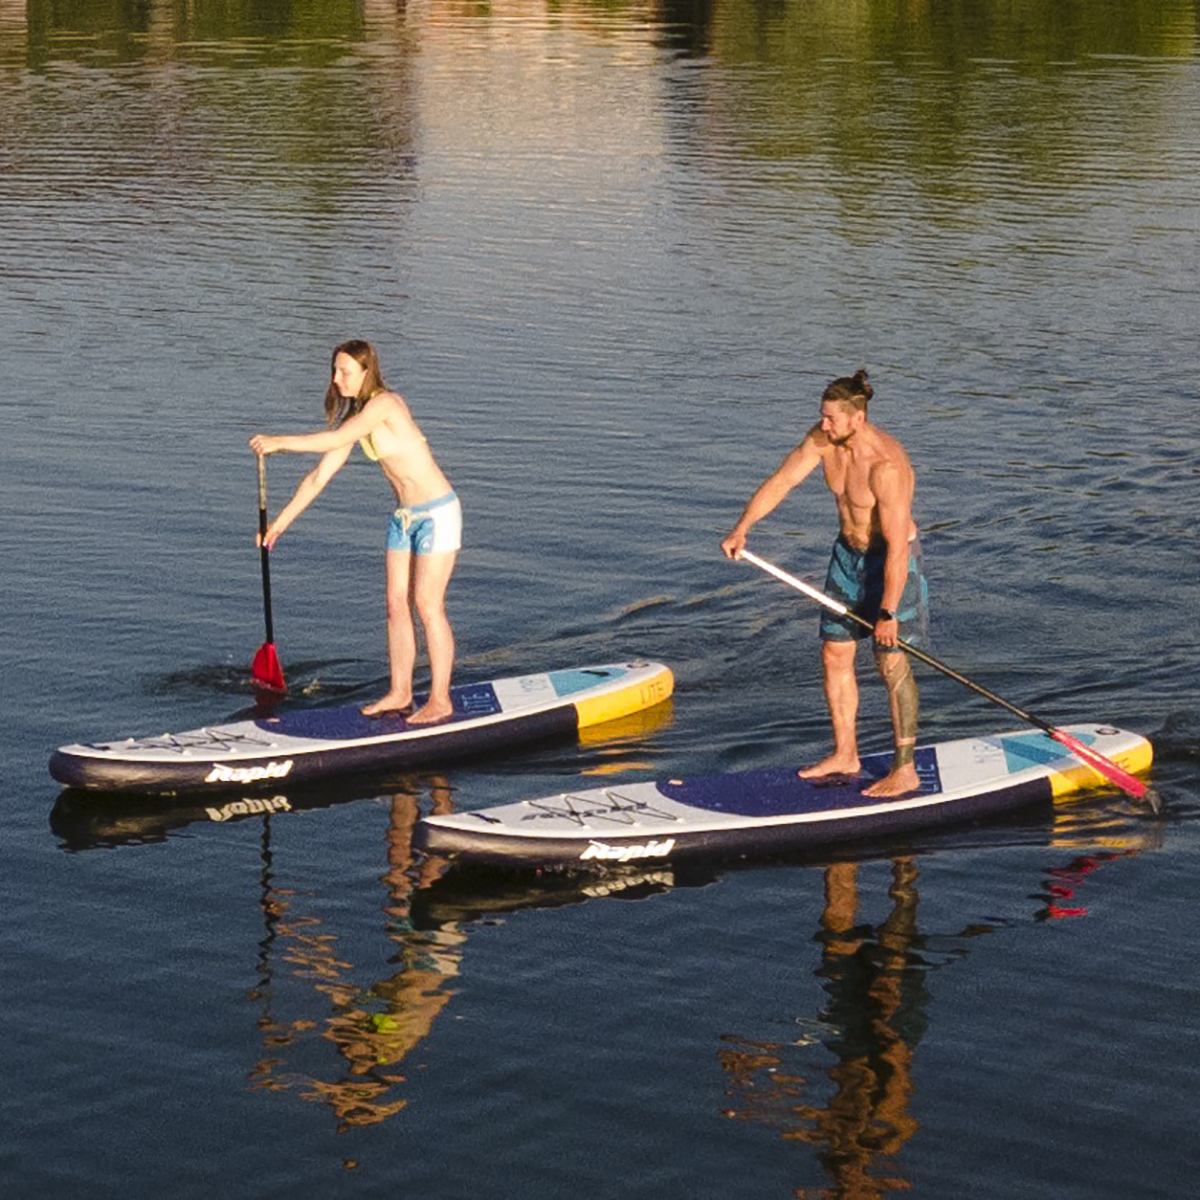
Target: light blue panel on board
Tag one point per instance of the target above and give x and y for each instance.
(567, 683)
(1035, 749)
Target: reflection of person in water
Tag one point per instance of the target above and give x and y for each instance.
(371, 1037)
(876, 1010)
(417, 993)
(878, 1004)
(872, 1022)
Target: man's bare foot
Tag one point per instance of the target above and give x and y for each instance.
(431, 712)
(832, 765)
(897, 782)
(393, 702)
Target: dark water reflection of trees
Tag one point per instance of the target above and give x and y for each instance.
(950, 102)
(952, 37)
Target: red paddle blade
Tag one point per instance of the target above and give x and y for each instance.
(265, 671)
(1109, 769)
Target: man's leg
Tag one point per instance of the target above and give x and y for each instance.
(841, 694)
(905, 706)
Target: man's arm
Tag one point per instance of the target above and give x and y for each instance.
(893, 498)
(794, 469)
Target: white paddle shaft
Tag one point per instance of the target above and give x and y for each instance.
(798, 584)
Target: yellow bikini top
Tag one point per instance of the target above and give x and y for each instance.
(368, 446)
(368, 443)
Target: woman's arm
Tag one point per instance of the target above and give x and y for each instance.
(374, 413)
(310, 488)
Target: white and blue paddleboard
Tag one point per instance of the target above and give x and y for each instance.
(773, 811)
(313, 743)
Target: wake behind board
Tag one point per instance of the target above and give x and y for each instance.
(773, 811)
(313, 743)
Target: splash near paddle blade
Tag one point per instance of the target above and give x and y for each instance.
(265, 671)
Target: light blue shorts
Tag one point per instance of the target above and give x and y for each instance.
(434, 527)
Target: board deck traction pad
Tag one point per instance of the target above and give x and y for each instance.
(302, 744)
(755, 811)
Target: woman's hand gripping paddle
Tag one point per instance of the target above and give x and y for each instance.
(1105, 766)
(265, 672)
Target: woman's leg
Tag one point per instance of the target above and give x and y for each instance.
(431, 577)
(401, 638)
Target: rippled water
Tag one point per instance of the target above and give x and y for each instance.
(610, 254)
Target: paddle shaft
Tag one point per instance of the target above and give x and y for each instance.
(839, 608)
(264, 552)
(1099, 762)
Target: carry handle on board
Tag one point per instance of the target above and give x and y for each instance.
(1098, 762)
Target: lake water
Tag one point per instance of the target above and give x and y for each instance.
(611, 254)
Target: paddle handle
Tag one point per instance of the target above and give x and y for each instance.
(264, 552)
(1098, 762)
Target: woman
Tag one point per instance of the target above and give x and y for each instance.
(425, 531)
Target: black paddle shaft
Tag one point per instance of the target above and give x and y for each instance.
(930, 661)
(264, 552)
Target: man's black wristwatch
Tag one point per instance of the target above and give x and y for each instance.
(886, 614)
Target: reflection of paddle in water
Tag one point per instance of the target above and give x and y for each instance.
(1065, 883)
(373, 1027)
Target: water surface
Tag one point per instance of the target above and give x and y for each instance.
(610, 254)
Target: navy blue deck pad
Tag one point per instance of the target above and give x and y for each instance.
(779, 791)
(442, 740)
(345, 723)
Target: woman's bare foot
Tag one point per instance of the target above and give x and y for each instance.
(432, 711)
(897, 782)
(832, 765)
(393, 702)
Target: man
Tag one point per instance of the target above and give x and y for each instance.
(875, 570)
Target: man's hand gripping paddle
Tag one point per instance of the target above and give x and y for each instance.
(265, 672)
(1098, 762)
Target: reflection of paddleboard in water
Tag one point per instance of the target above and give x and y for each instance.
(773, 811)
(311, 743)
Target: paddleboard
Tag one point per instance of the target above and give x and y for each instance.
(774, 811)
(299, 745)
